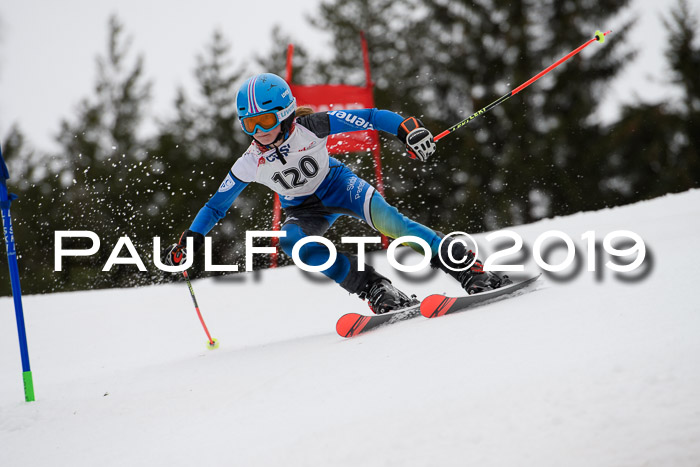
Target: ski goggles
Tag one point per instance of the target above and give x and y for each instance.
(267, 121)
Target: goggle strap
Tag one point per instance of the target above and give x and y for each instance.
(286, 112)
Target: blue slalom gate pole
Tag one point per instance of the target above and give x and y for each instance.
(5, 201)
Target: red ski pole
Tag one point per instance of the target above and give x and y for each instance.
(212, 343)
(599, 36)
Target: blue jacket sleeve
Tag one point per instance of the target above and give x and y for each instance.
(218, 205)
(342, 121)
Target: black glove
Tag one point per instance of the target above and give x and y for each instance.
(418, 139)
(176, 254)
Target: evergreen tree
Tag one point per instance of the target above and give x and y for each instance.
(198, 147)
(275, 61)
(207, 125)
(104, 169)
(534, 156)
(35, 178)
(389, 27)
(26, 212)
(643, 154)
(683, 54)
(19, 158)
(655, 148)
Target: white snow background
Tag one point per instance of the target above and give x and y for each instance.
(590, 371)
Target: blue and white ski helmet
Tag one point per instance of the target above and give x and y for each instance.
(265, 93)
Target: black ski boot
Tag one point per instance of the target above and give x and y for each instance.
(383, 297)
(369, 285)
(474, 279)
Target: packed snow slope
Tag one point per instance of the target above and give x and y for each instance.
(585, 370)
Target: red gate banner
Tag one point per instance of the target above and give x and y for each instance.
(340, 97)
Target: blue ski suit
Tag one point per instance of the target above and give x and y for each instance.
(316, 189)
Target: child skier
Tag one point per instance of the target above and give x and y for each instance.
(288, 154)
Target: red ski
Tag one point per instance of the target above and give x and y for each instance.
(440, 305)
(352, 324)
